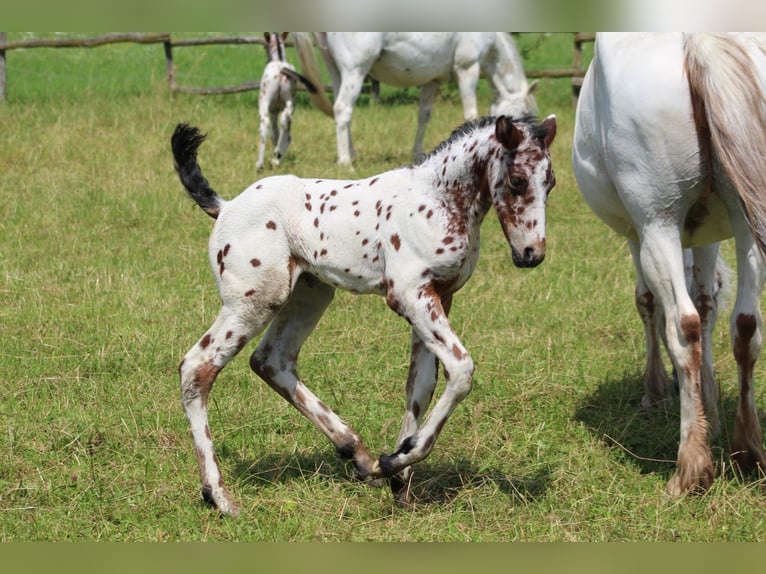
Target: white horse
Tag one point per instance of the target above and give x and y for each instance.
(406, 59)
(276, 98)
(669, 149)
(280, 249)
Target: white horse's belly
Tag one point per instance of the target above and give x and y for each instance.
(414, 59)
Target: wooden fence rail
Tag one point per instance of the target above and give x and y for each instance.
(576, 71)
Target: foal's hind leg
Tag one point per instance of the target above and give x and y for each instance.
(275, 361)
(263, 131)
(283, 141)
(198, 370)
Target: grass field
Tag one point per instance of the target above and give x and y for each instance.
(104, 285)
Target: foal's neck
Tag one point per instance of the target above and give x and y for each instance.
(462, 173)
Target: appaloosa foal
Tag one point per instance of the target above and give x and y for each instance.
(280, 249)
(276, 98)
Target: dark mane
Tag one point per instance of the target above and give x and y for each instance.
(472, 125)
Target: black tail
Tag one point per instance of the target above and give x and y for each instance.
(185, 142)
(292, 74)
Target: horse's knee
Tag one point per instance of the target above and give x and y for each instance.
(259, 363)
(460, 378)
(746, 344)
(197, 381)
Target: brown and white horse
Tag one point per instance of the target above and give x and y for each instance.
(280, 249)
(276, 98)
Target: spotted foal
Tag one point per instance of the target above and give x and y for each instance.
(280, 249)
(276, 98)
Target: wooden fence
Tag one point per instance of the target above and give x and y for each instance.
(576, 71)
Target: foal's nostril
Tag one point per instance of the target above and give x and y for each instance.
(529, 255)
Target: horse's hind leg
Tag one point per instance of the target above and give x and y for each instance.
(704, 294)
(198, 370)
(275, 361)
(263, 132)
(662, 263)
(747, 337)
(427, 95)
(283, 141)
(652, 316)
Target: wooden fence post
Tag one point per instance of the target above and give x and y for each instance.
(579, 39)
(2, 66)
(169, 64)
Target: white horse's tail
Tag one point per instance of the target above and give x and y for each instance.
(310, 68)
(729, 110)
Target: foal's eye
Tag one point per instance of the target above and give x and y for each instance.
(518, 185)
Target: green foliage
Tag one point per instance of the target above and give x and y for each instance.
(104, 285)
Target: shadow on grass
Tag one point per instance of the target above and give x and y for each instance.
(437, 483)
(646, 438)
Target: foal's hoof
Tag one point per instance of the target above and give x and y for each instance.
(368, 472)
(401, 490)
(387, 465)
(222, 500)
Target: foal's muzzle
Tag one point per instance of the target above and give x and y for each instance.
(530, 257)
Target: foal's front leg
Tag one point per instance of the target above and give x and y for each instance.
(424, 310)
(421, 382)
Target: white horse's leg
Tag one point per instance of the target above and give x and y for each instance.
(283, 142)
(467, 80)
(275, 361)
(350, 88)
(747, 337)
(427, 95)
(704, 295)
(429, 322)
(198, 371)
(653, 318)
(663, 268)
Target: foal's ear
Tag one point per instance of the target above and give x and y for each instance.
(549, 125)
(507, 133)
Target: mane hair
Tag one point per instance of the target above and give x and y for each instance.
(470, 126)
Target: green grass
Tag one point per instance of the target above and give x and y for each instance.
(104, 285)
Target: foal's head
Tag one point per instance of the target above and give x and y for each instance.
(520, 183)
